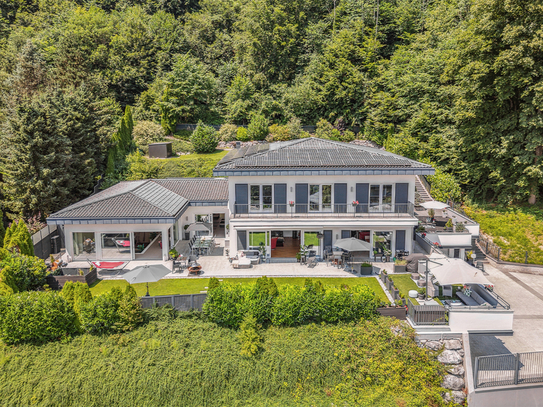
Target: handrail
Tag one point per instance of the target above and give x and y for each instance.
(313, 210)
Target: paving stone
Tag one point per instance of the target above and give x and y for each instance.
(450, 357)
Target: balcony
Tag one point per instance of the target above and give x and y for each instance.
(315, 211)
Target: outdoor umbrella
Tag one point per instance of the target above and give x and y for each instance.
(146, 274)
(353, 244)
(455, 271)
(199, 227)
(434, 205)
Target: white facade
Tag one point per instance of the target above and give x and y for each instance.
(321, 220)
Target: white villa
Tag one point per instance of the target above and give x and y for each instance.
(286, 194)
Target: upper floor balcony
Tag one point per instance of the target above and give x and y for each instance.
(293, 210)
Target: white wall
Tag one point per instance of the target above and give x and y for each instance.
(189, 216)
(466, 320)
(351, 181)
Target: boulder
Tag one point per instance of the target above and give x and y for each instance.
(456, 396)
(453, 344)
(433, 345)
(457, 370)
(452, 382)
(450, 357)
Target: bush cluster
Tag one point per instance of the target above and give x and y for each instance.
(227, 304)
(146, 132)
(204, 139)
(258, 128)
(228, 132)
(35, 317)
(19, 272)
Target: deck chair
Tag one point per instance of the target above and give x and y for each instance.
(311, 262)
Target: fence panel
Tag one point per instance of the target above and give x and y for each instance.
(179, 302)
(48, 240)
(530, 367)
(496, 370)
(427, 314)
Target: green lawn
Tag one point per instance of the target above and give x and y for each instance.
(403, 283)
(189, 286)
(190, 165)
(515, 229)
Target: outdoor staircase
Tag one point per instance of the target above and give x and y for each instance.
(479, 254)
(420, 190)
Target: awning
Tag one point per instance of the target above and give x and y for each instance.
(199, 227)
(449, 271)
(353, 245)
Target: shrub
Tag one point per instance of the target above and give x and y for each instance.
(101, 315)
(242, 134)
(279, 133)
(182, 146)
(203, 139)
(24, 273)
(130, 311)
(146, 132)
(35, 317)
(76, 294)
(249, 336)
(228, 132)
(294, 127)
(213, 283)
(258, 128)
(325, 130)
(347, 136)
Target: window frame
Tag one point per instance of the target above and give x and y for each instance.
(320, 204)
(254, 207)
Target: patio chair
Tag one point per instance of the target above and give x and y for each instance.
(311, 262)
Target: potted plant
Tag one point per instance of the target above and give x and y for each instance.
(460, 227)
(355, 203)
(227, 227)
(291, 203)
(174, 254)
(387, 253)
(262, 250)
(431, 214)
(400, 266)
(449, 224)
(421, 229)
(421, 293)
(366, 269)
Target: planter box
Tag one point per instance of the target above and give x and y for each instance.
(366, 271)
(57, 282)
(400, 269)
(395, 312)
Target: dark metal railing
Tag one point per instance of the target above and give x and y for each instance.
(510, 369)
(311, 210)
(427, 314)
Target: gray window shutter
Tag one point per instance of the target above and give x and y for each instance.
(302, 198)
(362, 196)
(242, 240)
(401, 199)
(400, 240)
(345, 234)
(340, 198)
(280, 198)
(327, 239)
(241, 205)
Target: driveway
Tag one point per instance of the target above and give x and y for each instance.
(525, 294)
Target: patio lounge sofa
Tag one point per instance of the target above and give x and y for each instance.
(467, 300)
(253, 255)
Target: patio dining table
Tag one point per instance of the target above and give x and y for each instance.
(202, 244)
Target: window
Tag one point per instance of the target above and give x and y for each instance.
(255, 197)
(311, 239)
(327, 197)
(381, 198)
(320, 194)
(84, 246)
(261, 197)
(202, 218)
(116, 246)
(255, 238)
(314, 198)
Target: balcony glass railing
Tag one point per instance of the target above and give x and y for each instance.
(336, 210)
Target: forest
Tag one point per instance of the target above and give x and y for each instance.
(456, 83)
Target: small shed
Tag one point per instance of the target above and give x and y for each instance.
(160, 150)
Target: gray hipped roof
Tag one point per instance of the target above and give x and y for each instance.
(312, 153)
(147, 199)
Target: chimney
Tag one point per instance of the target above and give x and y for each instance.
(238, 144)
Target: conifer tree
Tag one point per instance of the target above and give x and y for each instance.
(2, 229)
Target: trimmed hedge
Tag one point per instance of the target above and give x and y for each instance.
(35, 317)
(290, 305)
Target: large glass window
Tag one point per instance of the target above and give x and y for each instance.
(267, 196)
(375, 191)
(327, 197)
(381, 198)
(84, 246)
(255, 238)
(116, 246)
(261, 197)
(382, 242)
(255, 197)
(314, 197)
(202, 218)
(387, 197)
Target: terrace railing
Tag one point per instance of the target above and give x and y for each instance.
(511, 369)
(427, 314)
(317, 211)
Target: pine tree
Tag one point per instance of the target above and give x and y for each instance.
(129, 120)
(2, 229)
(8, 235)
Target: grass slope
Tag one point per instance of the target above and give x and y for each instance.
(191, 362)
(194, 286)
(515, 229)
(186, 166)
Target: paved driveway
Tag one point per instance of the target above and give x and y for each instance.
(525, 294)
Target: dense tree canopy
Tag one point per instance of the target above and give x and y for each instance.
(455, 82)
